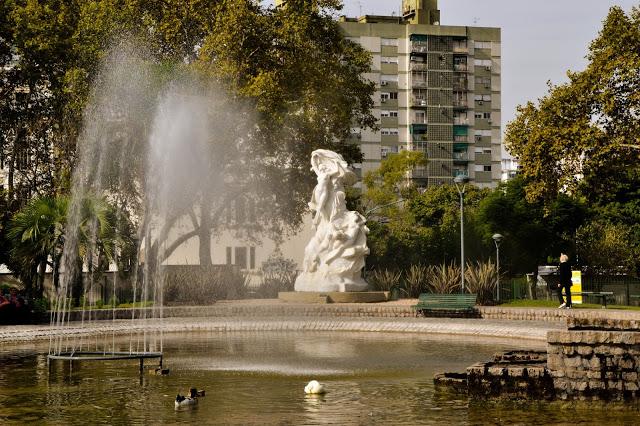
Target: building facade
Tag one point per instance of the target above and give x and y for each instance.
(438, 91)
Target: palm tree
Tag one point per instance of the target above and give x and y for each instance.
(36, 234)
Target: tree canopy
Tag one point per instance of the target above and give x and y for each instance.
(578, 138)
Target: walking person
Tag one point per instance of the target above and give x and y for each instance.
(564, 270)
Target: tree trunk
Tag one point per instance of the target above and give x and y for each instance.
(204, 233)
(39, 290)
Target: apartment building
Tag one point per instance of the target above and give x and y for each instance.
(438, 91)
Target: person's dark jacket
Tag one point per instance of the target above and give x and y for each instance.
(565, 274)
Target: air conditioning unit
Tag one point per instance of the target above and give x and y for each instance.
(423, 103)
(478, 138)
(489, 121)
(384, 83)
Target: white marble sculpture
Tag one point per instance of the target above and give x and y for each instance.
(335, 255)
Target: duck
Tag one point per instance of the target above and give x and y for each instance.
(191, 399)
(185, 401)
(314, 387)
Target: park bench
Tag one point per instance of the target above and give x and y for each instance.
(601, 294)
(454, 303)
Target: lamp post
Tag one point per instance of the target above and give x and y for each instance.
(461, 180)
(497, 238)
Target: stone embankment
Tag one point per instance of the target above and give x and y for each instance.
(397, 309)
(593, 359)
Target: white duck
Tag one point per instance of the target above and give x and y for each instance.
(314, 387)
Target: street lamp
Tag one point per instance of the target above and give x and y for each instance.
(461, 180)
(497, 238)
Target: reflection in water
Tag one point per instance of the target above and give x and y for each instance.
(259, 378)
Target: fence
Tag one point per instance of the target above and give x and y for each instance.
(625, 288)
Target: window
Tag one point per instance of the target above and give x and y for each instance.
(482, 115)
(481, 168)
(241, 257)
(483, 133)
(482, 62)
(388, 78)
(389, 59)
(482, 150)
(389, 41)
(482, 45)
(483, 98)
(420, 117)
(240, 211)
(386, 150)
(252, 258)
(229, 260)
(384, 96)
(393, 95)
(389, 131)
(486, 81)
(353, 39)
(387, 113)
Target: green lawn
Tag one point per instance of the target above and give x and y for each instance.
(527, 303)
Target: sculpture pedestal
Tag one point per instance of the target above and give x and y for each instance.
(319, 282)
(333, 296)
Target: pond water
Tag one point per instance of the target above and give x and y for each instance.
(258, 378)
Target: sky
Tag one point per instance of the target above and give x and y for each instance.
(541, 39)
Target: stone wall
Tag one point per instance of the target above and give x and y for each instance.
(401, 309)
(511, 375)
(595, 364)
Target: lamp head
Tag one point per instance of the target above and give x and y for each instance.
(497, 238)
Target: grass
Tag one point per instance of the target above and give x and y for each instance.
(527, 303)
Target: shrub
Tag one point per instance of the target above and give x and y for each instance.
(416, 280)
(202, 285)
(384, 280)
(481, 279)
(278, 274)
(443, 279)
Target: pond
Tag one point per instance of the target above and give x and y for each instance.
(258, 378)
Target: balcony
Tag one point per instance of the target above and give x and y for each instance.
(460, 48)
(460, 103)
(418, 66)
(461, 121)
(419, 47)
(419, 173)
(460, 67)
(460, 157)
(418, 102)
(460, 172)
(419, 84)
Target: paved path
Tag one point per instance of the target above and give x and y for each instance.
(528, 330)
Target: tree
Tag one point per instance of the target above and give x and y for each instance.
(576, 140)
(608, 248)
(289, 68)
(36, 235)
